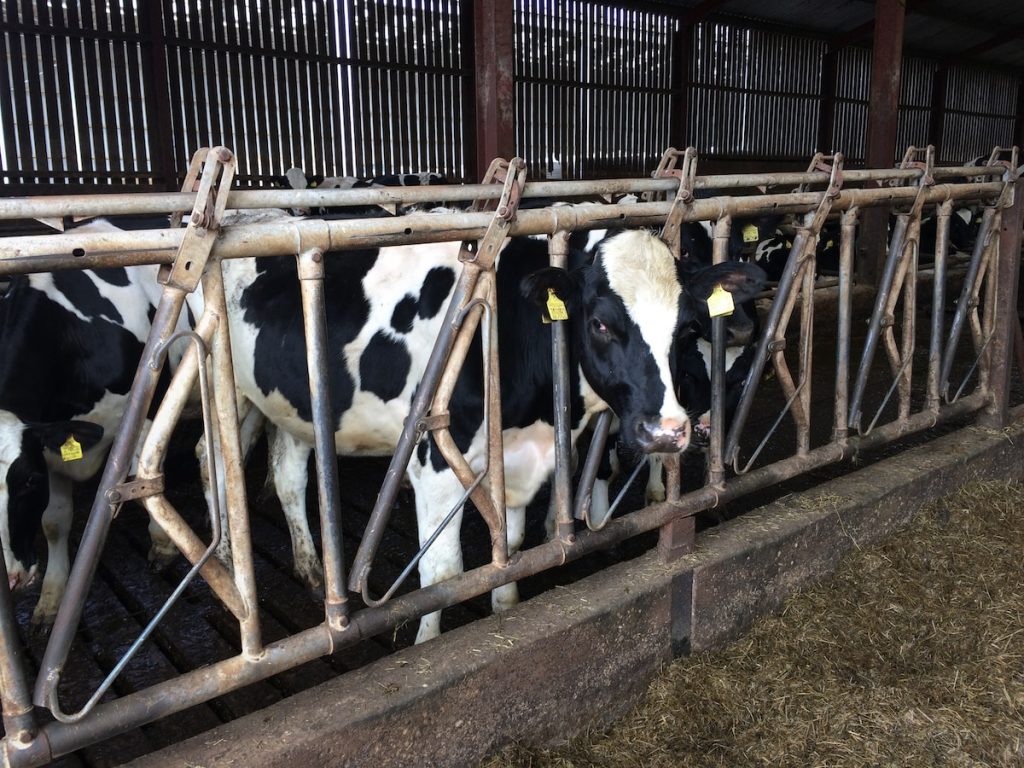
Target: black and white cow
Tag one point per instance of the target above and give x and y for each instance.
(297, 179)
(627, 310)
(69, 345)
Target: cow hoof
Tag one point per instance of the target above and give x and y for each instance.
(313, 578)
(159, 558)
(655, 495)
(40, 623)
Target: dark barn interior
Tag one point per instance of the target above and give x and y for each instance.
(114, 96)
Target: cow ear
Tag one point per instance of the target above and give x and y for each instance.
(744, 281)
(55, 434)
(538, 286)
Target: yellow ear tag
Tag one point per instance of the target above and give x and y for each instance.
(71, 450)
(556, 307)
(750, 233)
(720, 302)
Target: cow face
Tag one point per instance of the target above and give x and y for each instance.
(24, 485)
(744, 281)
(628, 310)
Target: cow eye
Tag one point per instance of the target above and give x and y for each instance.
(599, 328)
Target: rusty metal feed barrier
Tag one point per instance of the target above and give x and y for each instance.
(194, 254)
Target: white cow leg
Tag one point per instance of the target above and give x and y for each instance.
(290, 458)
(436, 494)
(161, 549)
(56, 527)
(656, 478)
(507, 595)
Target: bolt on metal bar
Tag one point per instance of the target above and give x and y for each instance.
(310, 265)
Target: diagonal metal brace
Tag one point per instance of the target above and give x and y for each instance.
(512, 174)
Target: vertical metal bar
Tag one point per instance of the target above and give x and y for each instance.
(15, 696)
(845, 311)
(121, 454)
(494, 26)
(938, 306)
(1005, 275)
(233, 460)
(802, 414)
(558, 249)
(311, 282)
(909, 317)
(716, 462)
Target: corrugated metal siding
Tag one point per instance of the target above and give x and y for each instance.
(593, 88)
(754, 93)
(73, 106)
(980, 111)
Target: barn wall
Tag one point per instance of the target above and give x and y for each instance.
(117, 94)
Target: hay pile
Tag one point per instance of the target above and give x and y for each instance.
(913, 655)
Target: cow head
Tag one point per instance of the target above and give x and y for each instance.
(627, 311)
(743, 280)
(25, 487)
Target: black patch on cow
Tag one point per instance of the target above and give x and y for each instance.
(85, 296)
(404, 314)
(151, 313)
(273, 304)
(384, 367)
(83, 359)
(436, 287)
(113, 275)
(29, 493)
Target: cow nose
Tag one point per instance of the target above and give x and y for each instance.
(659, 435)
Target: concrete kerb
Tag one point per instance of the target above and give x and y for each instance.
(579, 656)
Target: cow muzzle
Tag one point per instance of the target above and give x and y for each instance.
(663, 435)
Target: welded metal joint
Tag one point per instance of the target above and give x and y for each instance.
(135, 489)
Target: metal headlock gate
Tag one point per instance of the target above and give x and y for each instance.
(192, 256)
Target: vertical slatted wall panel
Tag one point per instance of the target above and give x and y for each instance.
(980, 110)
(916, 78)
(593, 88)
(260, 77)
(404, 88)
(755, 93)
(853, 82)
(72, 93)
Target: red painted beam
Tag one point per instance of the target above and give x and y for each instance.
(883, 121)
(493, 26)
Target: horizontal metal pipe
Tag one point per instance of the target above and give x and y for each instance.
(153, 203)
(76, 251)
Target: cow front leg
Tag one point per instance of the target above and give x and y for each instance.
(656, 479)
(437, 492)
(507, 595)
(56, 527)
(290, 458)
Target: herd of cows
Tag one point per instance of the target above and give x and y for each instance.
(639, 330)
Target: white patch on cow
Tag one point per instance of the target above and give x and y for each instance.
(964, 214)
(56, 527)
(709, 227)
(290, 458)
(642, 271)
(594, 237)
(11, 429)
(731, 354)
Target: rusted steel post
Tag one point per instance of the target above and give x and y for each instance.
(602, 425)
(716, 461)
(233, 460)
(932, 394)
(558, 250)
(844, 312)
(883, 122)
(314, 318)
(678, 536)
(802, 413)
(15, 696)
(1007, 323)
(494, 66)
(102, 514)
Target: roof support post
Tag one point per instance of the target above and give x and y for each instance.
(493, 50)
(883, 121)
